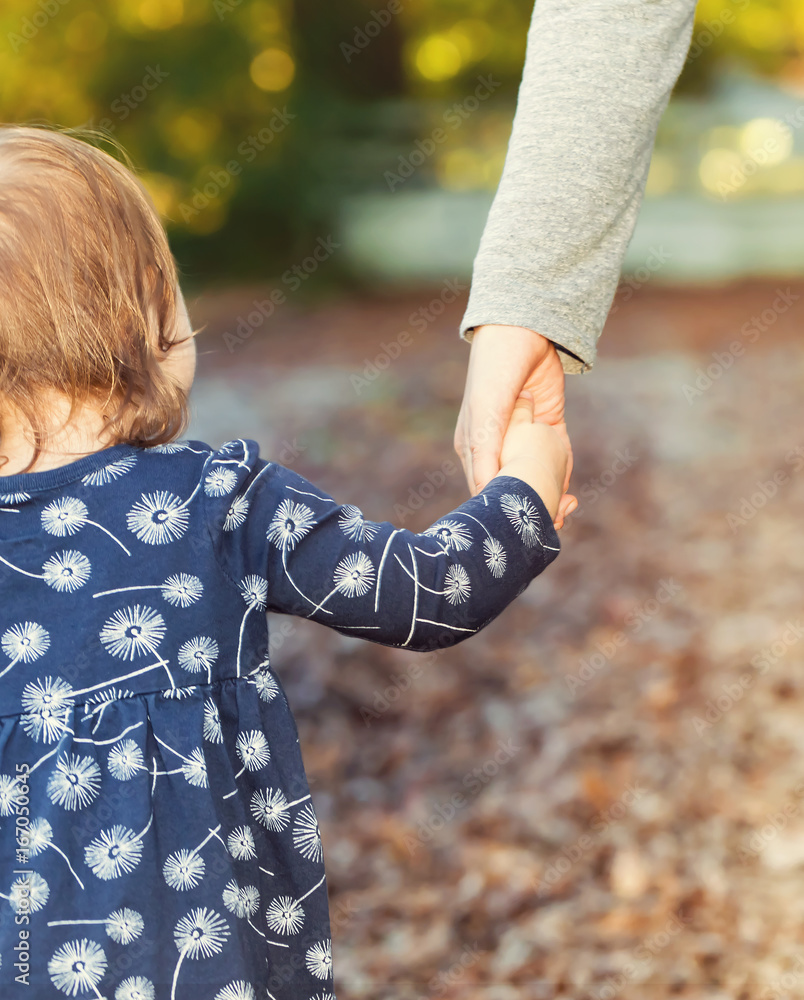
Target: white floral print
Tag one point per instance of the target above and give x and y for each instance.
(25, 642)
(115, 852)
(133, 631)
(108, 473)
(67, 571)
(125, 760)
(219, 482)
(353, 524)
(496, 558)
(451, 534)
(524, 517)
(161, 761)
(457, 585)
(285, 915)
(158, 518)
(291, 523)
(77, 967)
(74, 782)
(319, 959)
(354, 575)
(135, 988)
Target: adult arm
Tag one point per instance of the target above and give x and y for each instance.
(598, 75)
(597, 78)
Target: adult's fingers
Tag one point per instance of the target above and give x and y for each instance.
(481, 444)
(502, 362)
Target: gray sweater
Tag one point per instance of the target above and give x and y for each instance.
(598, 76)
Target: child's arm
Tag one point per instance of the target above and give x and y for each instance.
(535, 453)
(320, 559)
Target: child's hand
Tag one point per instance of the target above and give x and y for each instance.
(535, 453)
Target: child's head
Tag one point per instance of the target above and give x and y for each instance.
(89, 299)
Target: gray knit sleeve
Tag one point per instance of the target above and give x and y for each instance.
(597, 78)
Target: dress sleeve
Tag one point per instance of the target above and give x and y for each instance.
(291, 548)
(597, 78)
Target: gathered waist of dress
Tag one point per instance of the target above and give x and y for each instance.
(49, 701)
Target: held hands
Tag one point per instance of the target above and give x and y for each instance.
(535, 452)
(504, 361)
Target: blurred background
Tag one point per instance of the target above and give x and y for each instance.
(601, 794)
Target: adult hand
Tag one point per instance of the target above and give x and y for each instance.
(504, 361)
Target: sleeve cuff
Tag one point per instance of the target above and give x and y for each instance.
(577, 351)
(550, 543)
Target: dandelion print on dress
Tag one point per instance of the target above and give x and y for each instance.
(239, 990)
(46, 705)
(173, 850)
(125, 760)
(122, 926)
(77, 967)
(158, 518)
(354, 525)
(452, 535)
(201, 934)
(108, 473)
(67, 571)
(74, 781)
(132, 632)
(135, 988)
(285, 915)
(68, 515)
(496, 558)
(24, 643)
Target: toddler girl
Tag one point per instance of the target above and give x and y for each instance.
(157, 835)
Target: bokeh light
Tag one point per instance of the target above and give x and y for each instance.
(160, 14)
(721, 172)
(192, 132)
(768, 140)
(273, 70)
(438, 58)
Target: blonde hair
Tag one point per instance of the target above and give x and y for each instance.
(88, 289)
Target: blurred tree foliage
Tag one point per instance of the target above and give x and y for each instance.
(251, 119)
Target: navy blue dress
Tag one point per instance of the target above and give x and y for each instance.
(157, 836)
